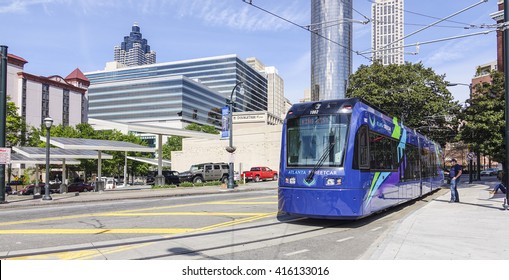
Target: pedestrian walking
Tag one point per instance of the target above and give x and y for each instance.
(454, 174)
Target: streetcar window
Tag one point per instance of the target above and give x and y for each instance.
(411, 171)
(425, 159)
(361, 159)
(383, 152)
(311, 139)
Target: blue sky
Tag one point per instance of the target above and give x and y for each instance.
(57, 36)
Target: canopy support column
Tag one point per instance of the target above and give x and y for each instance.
(159, 178)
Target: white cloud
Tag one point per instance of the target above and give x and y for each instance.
(51, 6)
(233, 14)
(240, 15)
(14, 7)
(451, 51)
(20, 6)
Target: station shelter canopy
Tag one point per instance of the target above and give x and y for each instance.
(35, 153)
(98, 146)
(151, 161)
(18, 158)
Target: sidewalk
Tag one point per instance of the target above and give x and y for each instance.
(474, 229)
(130, 192)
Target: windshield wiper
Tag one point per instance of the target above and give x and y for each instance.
(320, 162)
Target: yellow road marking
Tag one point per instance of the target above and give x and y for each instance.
(120, 214)
(209, 228)
(46, 219)
(132, 211)
(202, 203)
(115, 250)
(89, 254)
(252, 217)
(98, 231)
(241, 203)
(236, 222)
(81, 255)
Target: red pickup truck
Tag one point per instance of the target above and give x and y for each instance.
(259, 173)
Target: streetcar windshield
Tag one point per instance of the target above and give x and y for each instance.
(310, 138)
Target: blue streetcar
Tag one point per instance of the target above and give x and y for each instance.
(345, 159)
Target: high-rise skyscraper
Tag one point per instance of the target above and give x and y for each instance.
(134, 50)
(275, 87)
(387, 31)
(331, 56)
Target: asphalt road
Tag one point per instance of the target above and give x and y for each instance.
(234, 226)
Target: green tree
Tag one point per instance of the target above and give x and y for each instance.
(15, 127)
(174, 143)
(203, 128)
(483, 123)
(411, 92)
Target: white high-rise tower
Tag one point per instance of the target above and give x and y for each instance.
(387, 31)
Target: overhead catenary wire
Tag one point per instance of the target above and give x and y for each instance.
(386, 47)
(434, 41)
(483, 26)
(466, 25)
(432, 24)
(250, 2)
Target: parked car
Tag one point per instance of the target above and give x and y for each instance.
(110, 183)
(489, 172)
(259, 173)
(29, 190)
(170, 177)
(202, 172)
(80, 187)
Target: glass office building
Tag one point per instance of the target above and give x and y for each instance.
(331, 60)
(189, 91)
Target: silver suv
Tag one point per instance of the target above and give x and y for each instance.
(202, 172)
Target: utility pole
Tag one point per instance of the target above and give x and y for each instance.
(506, 75)
(3, 114)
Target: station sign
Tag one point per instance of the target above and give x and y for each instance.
(5, 155)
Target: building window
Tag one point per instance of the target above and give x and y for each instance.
(24, 100)
(84, 108)
(65, 108)
(45, 102)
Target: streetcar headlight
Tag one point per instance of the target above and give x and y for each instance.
(333, 181)
(290, 180)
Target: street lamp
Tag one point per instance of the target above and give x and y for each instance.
(48, 122)
(462, 84)
(231, 149)
(478, 171)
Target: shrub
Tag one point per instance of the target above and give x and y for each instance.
(213, 183)
(163, 187)
(186, 184)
